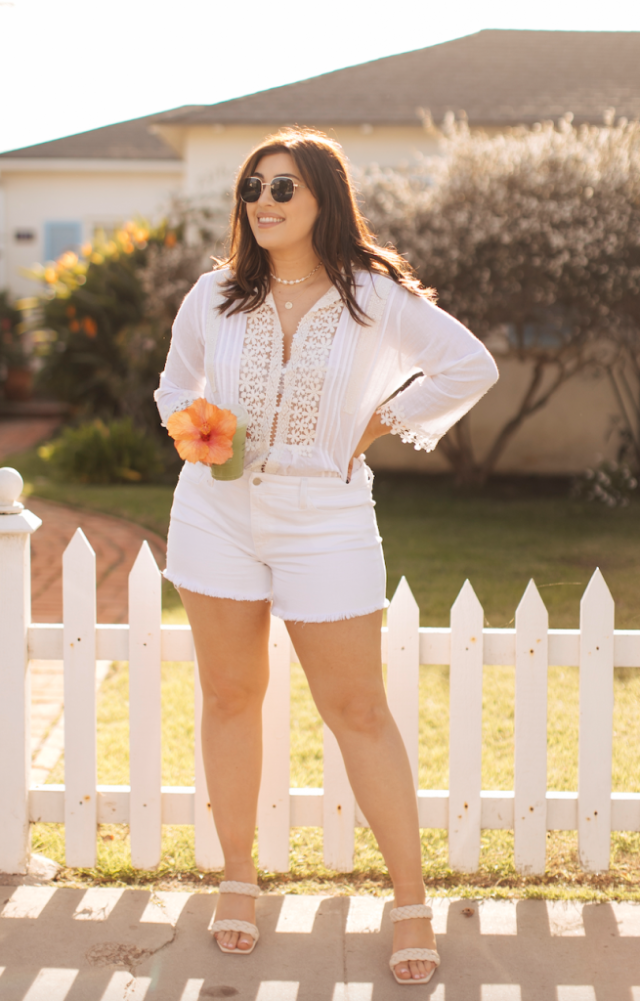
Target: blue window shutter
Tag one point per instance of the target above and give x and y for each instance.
(61, 236)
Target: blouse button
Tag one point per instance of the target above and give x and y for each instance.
(257, 481)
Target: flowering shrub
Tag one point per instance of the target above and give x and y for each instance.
(532, 239)
(102, 453)
(109, 313)
(608, 483)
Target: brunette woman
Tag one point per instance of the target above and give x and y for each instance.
(312, 328)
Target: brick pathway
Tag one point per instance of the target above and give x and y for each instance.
(116, 544)
(20, 433)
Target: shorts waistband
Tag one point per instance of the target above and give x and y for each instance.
(360, 477)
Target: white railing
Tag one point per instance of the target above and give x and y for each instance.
(465, 809)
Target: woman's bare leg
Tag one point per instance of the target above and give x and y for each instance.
(231, 641)
(343, 665)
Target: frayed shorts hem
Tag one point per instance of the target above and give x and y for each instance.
(338, 617)
(197, 588)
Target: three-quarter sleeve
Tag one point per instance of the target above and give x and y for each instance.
(183, 379)
(457, 371)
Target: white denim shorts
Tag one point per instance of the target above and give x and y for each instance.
(308, 544)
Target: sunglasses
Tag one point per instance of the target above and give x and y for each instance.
(282, 188)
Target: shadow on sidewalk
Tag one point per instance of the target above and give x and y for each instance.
(112, 944)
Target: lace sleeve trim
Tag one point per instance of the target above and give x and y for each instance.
(177, 404)
(391, 415)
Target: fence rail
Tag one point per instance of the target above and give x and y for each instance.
(530, 810)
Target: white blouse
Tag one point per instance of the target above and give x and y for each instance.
(306, 418)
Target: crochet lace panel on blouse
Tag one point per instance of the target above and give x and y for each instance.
(291, 394)
(391, 414)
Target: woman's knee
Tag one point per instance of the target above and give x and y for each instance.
(360, 714)
(227, 697)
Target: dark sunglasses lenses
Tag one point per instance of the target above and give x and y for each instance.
(282, 189)
(251, 189)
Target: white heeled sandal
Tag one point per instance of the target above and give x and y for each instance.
(406, 955)
(231, 924)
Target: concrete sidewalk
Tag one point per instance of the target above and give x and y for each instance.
(63, 944)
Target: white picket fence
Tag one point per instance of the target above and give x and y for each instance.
(530, 810)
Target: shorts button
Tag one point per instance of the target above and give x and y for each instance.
(257, 481)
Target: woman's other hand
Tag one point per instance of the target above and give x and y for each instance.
(374, 429)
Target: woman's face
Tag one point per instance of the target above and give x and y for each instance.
(282, 226)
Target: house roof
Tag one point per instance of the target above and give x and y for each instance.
(498, 77)
(132, 140)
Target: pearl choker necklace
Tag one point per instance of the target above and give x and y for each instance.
(296, 281)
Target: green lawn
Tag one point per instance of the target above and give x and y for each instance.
(436, 537)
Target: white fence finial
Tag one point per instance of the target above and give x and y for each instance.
(11, 484)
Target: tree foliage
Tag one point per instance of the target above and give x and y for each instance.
(532, 239)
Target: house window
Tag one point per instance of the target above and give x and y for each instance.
(61, 236)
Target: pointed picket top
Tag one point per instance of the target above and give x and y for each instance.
(467, 603)
(145, 567)
(531, 605)
(596, 595)
(403, 596)
(79, 547)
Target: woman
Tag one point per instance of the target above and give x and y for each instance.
(311, 327)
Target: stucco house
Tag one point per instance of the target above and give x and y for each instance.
(54, 195)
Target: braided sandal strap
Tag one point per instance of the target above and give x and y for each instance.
(411, 911)
(406, 955)
(230, 924)
(233, 886)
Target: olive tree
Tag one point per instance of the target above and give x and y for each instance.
(532, 239)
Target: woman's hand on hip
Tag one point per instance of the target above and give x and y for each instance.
(374, 429)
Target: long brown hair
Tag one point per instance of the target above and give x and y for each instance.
(341, 238)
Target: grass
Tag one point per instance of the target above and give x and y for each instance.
(496, 875)
(436, 537)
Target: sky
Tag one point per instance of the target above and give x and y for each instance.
(67, 66)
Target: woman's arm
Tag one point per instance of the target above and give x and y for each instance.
(183, 379)
(458, 371)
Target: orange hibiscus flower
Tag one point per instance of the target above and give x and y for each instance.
(203, 433)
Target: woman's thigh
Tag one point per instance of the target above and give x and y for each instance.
(231, 640)
(342, 662)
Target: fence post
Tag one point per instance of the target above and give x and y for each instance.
(80, 748)
(530, 781)
(208, 848)
(403, 669)
(145, 711)
(465, 730)
(274, 811)
(596, 725)
(16, 528)
(339, 808)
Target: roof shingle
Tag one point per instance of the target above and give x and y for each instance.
(132, 140)
(498, 77)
